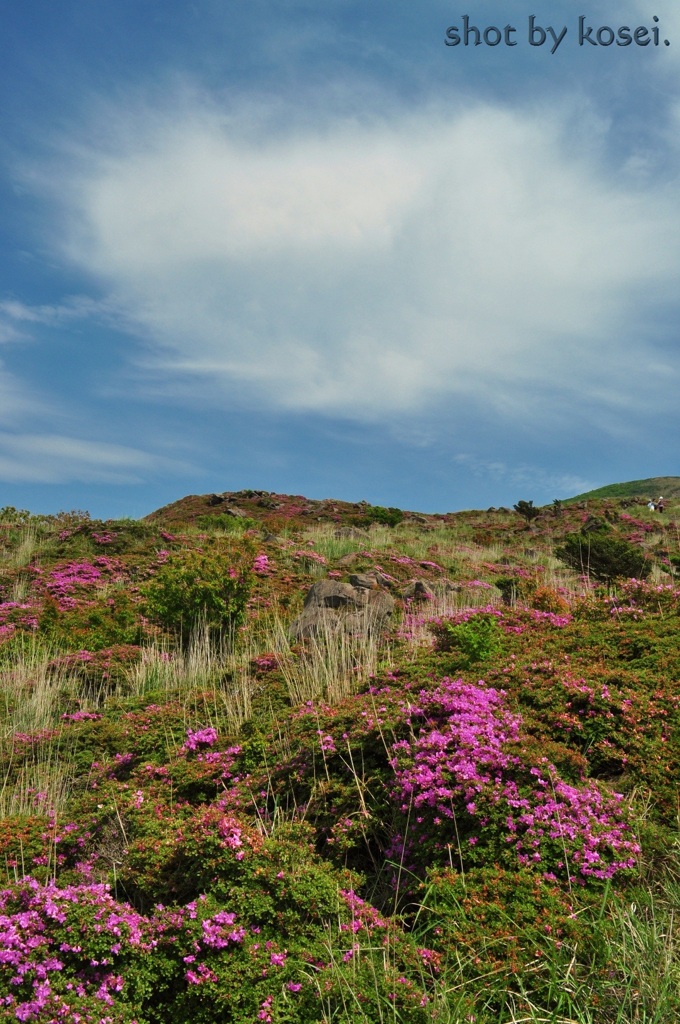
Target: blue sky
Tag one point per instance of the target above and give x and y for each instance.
(306, 247)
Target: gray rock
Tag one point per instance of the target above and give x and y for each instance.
(418, 590)
(364, 580)
(347, 559)
(340, 607)
(331, 594)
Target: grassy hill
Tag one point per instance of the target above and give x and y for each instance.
(654, 486)
(462, 809)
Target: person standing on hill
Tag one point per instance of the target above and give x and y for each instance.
(660, 505)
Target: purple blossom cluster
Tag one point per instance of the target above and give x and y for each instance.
(63, 581)
(48, 935)
(16, 615)
(309, 556)
(38, 941)
(107, 537)
(326, 742)
(200, 738)
(81, 716)
(262, 566)
(463, 776)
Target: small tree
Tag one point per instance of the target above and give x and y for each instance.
(526, 510)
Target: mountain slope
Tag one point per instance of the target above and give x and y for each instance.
(652, 487)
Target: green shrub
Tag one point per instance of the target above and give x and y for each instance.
(473, 641)
(386, 516)
(200, 588)
(603, 557)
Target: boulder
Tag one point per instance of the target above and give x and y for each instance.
(418, 590)
(370, 580)
(237, 513)
(363, 580)
(331, 606)
(332, 594)
(347, 559)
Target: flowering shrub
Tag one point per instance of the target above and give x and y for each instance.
(16, 615)
(310, 557)
(93, 622)
(101, 669)
(71, 954)
(262, 566)
(463, 780)
(66, 581)
(200, 739)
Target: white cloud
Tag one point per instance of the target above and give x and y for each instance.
(51, 458)
(16, 400)
(535, 479)
(14, 312)
(371, 271)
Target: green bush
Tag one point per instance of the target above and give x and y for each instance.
(473, 641)
(386, 516)
(200, 588)
(603, 557)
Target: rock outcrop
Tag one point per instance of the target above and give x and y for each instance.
(356, 607)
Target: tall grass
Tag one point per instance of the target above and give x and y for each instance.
(217, 666)
(333, 664)
(33, 689)
(24, 542)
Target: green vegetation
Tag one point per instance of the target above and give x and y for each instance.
(603, 557)
(652, 487)
(388, 516)
(527, 510)
(196, 588)
(471, 817)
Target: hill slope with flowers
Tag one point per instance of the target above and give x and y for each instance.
(466, 815)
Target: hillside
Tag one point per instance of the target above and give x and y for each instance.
(668, 486)
(272, 759)
(278, 511)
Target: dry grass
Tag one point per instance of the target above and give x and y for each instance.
(331, 665)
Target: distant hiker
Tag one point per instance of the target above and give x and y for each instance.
(651, 506)
(660, 505)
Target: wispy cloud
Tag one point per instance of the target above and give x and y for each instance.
(375, 270)
(17, 402)
(18, 317)
(51, 458)
(534, 478)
